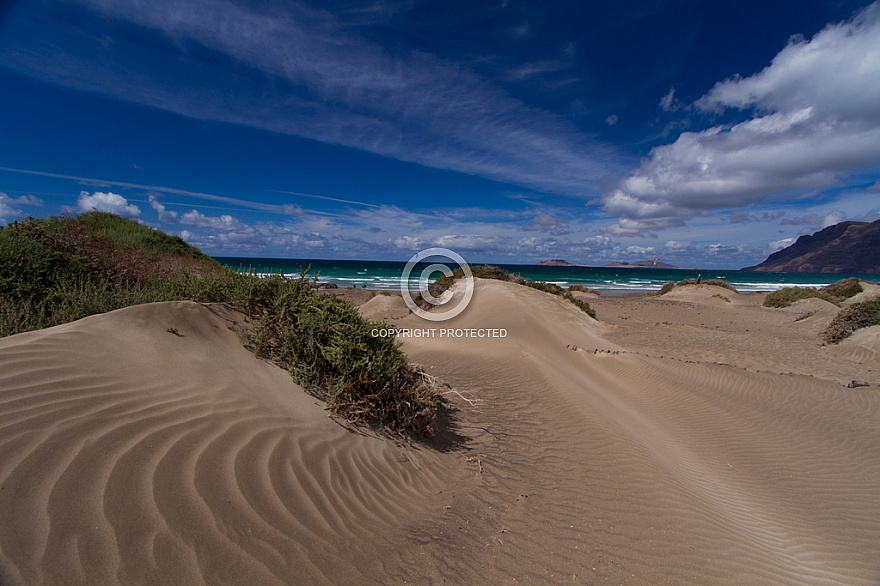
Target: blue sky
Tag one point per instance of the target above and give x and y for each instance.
(702, 133)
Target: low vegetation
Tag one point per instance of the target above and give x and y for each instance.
(833, 293)
(60, 269)
(439, 286)
(844, 289)
(666, 288)
(669, 285)
(858, 315)
(788, 295)
(722, 297)
(715, 282)
(581, 289)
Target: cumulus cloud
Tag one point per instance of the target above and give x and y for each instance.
(409, 242)
(6, 211)
(641, 249)
(9, 205)
(813, 117)
(107, 202)
(197, 218)
(612, 120)
(677, 245)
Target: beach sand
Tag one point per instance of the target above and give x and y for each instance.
(678, 440)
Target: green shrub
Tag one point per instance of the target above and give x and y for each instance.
(715, 282)
(788, 295)
(544, 286)
(722, 297)
(843, 289)
(854, 317)
(124, 232)
(666, 288)
(554, 289)
(669, 285)
(577, 287)
(583, 305)
(329, 349)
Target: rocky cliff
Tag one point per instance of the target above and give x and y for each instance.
(848, 247)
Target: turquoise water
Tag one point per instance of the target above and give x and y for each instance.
(386, 275)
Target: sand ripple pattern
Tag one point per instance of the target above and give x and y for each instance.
(131, 454)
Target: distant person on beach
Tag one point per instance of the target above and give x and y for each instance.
(699, 278)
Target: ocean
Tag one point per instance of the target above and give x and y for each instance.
(385, 275)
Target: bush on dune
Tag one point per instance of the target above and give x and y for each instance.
(669, 285)
(788, 295)
(843, 289)
(57, 270)
(856, 316)
(833, 293)
(577, 287)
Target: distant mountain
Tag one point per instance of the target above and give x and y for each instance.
(848, 247)
(642, 264)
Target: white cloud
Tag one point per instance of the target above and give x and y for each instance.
(677, 245)
(612, 120)
(641, 249)
(778, 245)
(815, 116)
(164, 215)
(834, 217)
(6, 211)
(409, 243)
(107, 202)
(9, 205)
(224, 222)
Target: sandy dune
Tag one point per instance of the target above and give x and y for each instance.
(131, 454)
(658, 445)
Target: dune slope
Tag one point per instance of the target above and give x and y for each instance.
(597, 463)
(134, 454)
